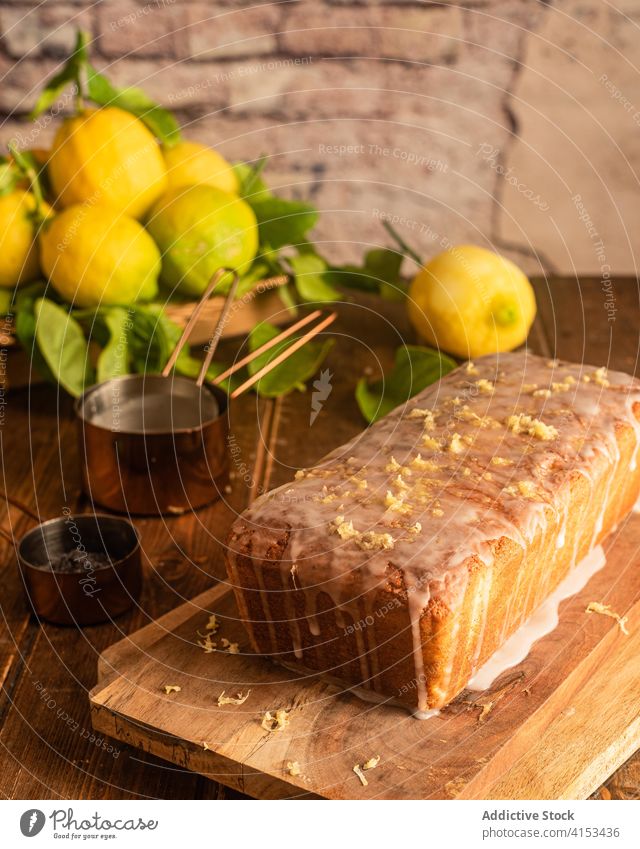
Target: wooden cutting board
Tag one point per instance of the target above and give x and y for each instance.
(554, 727)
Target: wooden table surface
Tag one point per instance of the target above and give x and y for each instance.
(47, 747)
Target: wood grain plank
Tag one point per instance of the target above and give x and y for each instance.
(578, 677)
(182, 556)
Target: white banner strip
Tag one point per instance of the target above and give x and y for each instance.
(310, 825)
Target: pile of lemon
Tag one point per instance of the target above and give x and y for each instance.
(126, 213)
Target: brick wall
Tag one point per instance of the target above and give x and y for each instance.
(463, 121)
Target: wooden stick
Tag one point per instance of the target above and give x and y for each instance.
(310, 334)
(166, 371)
(267, 346)
(217, 333)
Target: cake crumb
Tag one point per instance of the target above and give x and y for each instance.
(485, 386)
(345, 530)
(501, 461)
(206, 747)
(521, 423)
(541, 393)
(275, 722)
(207, 644)
(392, 465)
(372, 541)
(427, 417)
(300, 474)
(212, 624)
(367, 540)
(238, 699)
(419, 462)
(470, 368)
(171, 688)
(395, 502)
(430, 442)
(527, 489)
(456, 445)
(358, 771)
(372, 763)
(293, 768)
(600, 377)
(605, 610)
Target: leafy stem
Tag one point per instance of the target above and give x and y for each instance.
(406, 249)
(27, 166)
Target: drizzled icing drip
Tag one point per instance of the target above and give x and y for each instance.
(485, 453)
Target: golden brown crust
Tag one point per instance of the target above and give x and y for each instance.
(371, 642)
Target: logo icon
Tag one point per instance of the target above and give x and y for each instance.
(322, 389)
(32, 822)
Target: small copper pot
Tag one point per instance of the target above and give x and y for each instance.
(153, 445)
(90, 595)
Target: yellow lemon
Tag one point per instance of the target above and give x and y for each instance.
(94, 256)
(107, 156)
(470, 301)
(19, 262)
(189, 163)
(200, 229)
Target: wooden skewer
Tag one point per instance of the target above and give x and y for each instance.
(217, 333)
(310, 334)
(267, 346)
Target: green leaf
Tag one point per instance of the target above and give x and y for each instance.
(312, 278)
(380, 272)
(6, 301)
(63, 346)
(113, 360)
(9, 176)
(70, 73)
(415, 368)
(251, 184)
(292, 373)
(288, 297)
(282, 222)
(152, 339)
(25, 326)
(160, 121)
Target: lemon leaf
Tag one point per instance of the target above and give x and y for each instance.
(25, 326)
(380, 273)
(113, 360)
(159, 120)
(415, 368)
(63, 346)
(312, 277)
(282, 222)
(294, 372)
(9, 176)
(250, 182)
(70, 74)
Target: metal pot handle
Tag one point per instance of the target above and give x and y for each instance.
(217, 333)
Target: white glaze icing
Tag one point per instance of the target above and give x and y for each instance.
(541, 622)
(482, 455)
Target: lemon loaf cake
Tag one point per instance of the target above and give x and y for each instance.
(408, 556)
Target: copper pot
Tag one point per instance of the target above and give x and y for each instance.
(93, 593)
(153, 445)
